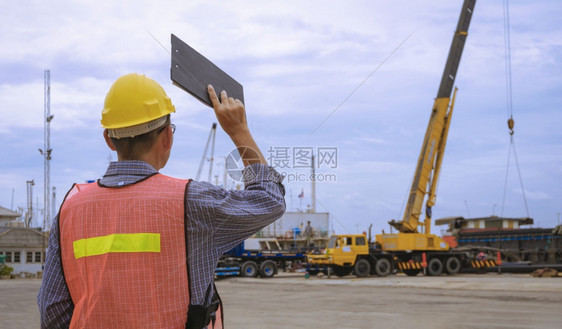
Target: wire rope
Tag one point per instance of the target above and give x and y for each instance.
(510, 121)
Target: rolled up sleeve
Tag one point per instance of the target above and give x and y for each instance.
(238, 214)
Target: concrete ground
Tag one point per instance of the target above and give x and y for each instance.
(291, 301)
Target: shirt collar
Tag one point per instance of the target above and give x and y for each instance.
(122, 173)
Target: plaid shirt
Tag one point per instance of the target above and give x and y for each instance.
(218, 220)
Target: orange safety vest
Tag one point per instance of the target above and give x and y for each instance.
(124, 254)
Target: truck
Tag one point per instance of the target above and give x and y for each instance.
(413, 247)
(240, 261)
(352, 253)
(281, 245)
(348, 253)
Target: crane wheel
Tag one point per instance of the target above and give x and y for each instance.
(383, 267)
(452, 265)
(249, 269)
(435, 267)
(362, 268)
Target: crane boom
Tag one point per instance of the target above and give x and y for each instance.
(211, 138)
(455, 52)
(433, 147)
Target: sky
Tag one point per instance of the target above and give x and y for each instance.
(352, 81)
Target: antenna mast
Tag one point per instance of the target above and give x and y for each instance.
(46, 152)
(313, 182)
(29, 213)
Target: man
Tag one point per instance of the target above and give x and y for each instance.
(308, 232)
(138, 249)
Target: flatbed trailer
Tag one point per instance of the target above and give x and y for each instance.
(254, 263)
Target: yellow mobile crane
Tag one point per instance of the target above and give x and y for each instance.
(412, 249)
(431, 157)
(410, 238)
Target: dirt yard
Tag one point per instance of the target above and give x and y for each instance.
(291, 301)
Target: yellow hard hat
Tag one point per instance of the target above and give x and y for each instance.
(136, 103)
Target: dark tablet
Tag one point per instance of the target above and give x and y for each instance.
(192, 72)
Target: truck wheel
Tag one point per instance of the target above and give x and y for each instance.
(341, 271)
(382, 267)
(268, 269)
(362, 268)
(249, 269)
(452, 265)
(434, 267)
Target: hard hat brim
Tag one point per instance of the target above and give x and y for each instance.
(137, 130)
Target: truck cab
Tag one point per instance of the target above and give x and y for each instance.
(342, 250)
(350, 252)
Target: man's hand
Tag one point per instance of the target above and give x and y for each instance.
(230, 112)
(231, 115)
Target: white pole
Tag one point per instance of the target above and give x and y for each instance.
(291, 200)
(212, 157)
(47, 152)
(29, 214)
(313, 179)
(54, 203)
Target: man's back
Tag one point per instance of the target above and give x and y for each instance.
(134, 236)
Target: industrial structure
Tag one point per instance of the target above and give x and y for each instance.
(211, 158)
(516, 244)
(29, 212)
(46, 152)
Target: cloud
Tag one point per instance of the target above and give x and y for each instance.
(533, 195)
(75, 103)
(297, 61)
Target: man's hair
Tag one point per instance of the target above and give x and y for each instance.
(133, 148)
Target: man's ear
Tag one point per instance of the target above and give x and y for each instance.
(167, 139)
(108, 140)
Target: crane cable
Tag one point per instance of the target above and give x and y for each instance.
(510, 121)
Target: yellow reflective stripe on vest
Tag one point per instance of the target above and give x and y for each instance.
(131, 242)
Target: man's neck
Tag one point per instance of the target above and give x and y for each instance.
(151, 160)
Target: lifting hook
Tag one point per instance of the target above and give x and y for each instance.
(510, 125)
